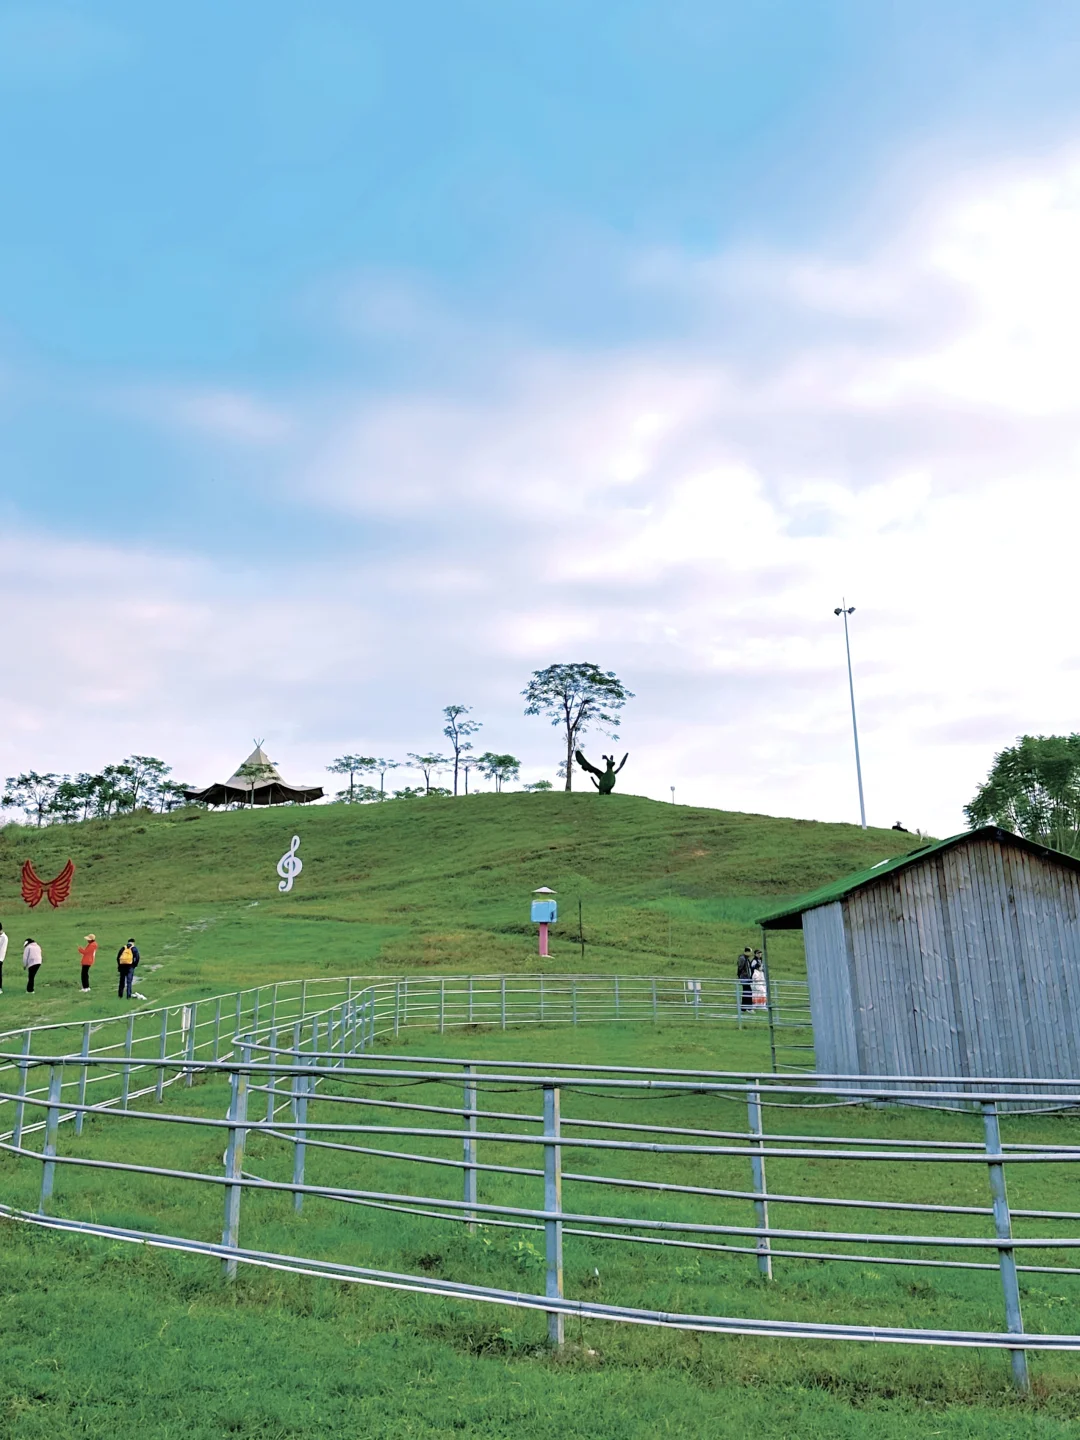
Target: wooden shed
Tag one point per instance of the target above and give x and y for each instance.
(960, 958)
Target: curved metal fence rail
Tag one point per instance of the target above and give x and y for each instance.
(139, 1042)
(729, 1167)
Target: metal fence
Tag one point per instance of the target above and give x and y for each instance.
(668, 1163)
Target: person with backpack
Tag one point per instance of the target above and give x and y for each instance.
(746, 977)
(87, 956)
(125, 964)
(31, 959)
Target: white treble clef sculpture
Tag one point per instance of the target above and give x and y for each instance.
(289, 866)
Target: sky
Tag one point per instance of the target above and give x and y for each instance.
(357, 360)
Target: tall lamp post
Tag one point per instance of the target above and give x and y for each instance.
(845, 610)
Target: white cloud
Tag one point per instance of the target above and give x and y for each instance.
(686, 513)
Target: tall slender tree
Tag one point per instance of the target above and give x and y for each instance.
(457, 730)
(499, 768)
(576, 698)
(1034, 789)
(352, 765)
(32, 793)
(429, 765)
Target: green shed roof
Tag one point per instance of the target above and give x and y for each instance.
(790, 917)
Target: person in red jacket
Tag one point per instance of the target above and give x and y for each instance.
(88, 954)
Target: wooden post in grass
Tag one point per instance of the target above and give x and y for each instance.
(20, 1103)
(234, 1159)
(1010, 1284)
(84, 1055)
(757, 1170)
(553, 1226)
(52, 1124)
(469, 1160)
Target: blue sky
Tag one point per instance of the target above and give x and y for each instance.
(418, 346)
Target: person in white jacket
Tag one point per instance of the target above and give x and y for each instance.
(3, 952)
(31, 959)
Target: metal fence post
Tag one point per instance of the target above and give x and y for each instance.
(469, 1161)
(541, 999)
(301, 1084)
(52, 1122)
(616, 997)
(125, 1083)
(236, 1018)
(502, 1002)
(217, 1029)
(234, 1159)
(1003, 1228)
(271, 1078)
(573, 998)
(757, 1169)
(159, 1084)
(191, 1015)
(553, 1227)
(442, 1006)
(470, 999)
(654, 999)
(397, 1007)
(84, 1054)
(20, 1103)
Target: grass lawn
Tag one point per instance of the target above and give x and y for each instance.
(104, 1339)
(435, 884)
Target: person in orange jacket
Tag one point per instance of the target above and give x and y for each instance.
(88, 954)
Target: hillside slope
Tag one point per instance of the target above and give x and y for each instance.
(427, 883)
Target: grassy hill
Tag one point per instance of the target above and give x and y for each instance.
(413, 884)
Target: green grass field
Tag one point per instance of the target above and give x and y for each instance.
(409, 886)
(104, 1339)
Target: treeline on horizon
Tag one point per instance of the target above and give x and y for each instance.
(572, 696)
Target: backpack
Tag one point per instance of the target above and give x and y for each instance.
(745, 969)
(126, 956)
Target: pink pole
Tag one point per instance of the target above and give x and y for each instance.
(543, 939)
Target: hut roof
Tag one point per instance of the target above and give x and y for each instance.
(790, 917)
(262, 785)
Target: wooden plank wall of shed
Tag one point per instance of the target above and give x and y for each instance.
(827, 974)
(968, 964)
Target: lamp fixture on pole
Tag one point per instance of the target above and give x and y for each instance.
(845, 610)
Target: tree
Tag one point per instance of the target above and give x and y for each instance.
(146, 774)
(577, 697)
(539, 785)
(352, 765)
(254, 771)
(457, 730)
(1034, 789)
(499, 768)
(428, 765)
(32, 793)
(381, 768)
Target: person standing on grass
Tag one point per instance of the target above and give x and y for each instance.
(135, 958)
(758, 993)
(745, 974)
(31, 959)
(125, 964)
(88, 954)
(3, 952)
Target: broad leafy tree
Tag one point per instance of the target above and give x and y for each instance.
(499, 768)
(1033, 789)
(457, 730)
(32, 793)
(577, 698)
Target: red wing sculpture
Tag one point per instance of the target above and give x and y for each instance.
(34, 889)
